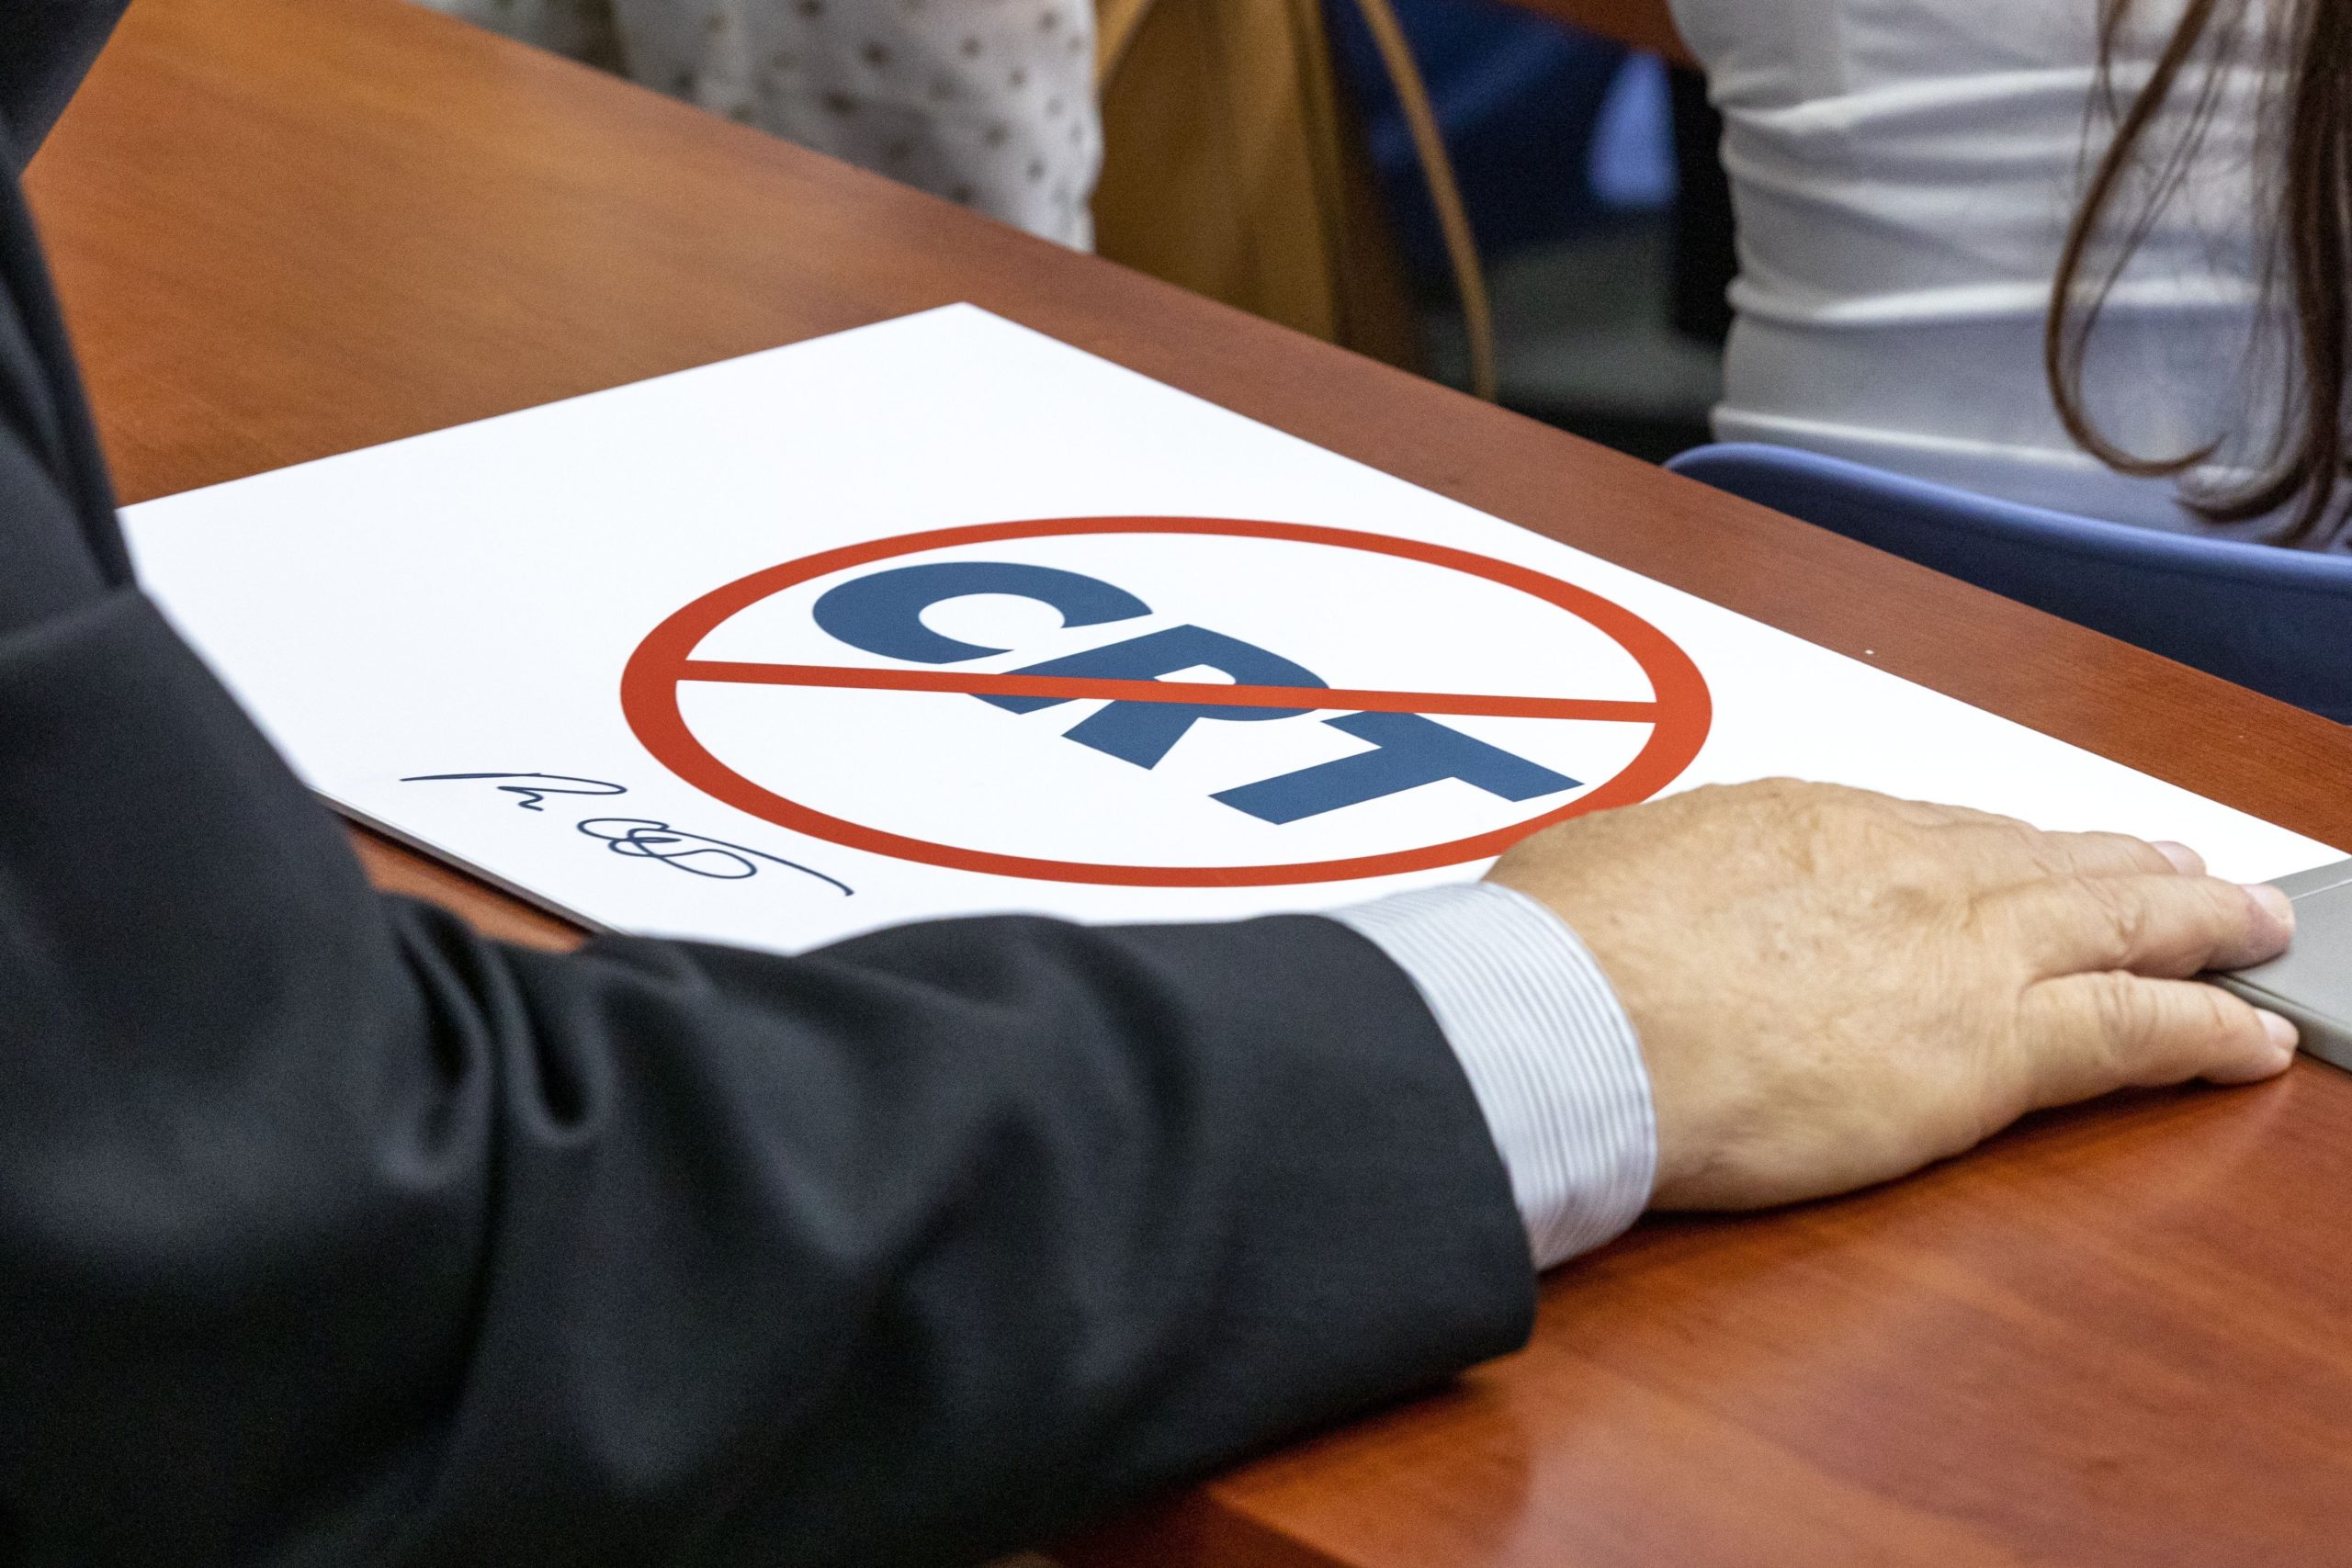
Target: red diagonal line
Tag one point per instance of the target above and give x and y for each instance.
(1196, 694)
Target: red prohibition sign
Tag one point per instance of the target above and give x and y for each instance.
(1679, 712)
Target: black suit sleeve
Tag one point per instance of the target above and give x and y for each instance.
(45, 46)
(330, 1232)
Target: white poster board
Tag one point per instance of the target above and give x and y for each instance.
(883, 627)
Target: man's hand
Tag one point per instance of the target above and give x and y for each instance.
(1834, 987)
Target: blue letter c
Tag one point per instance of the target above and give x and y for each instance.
(883, 614)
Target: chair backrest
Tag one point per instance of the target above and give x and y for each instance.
(2277, 620)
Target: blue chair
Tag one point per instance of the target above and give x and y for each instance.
(2278, 621)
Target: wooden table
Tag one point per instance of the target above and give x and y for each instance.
(286, 227)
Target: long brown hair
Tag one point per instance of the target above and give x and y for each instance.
(2306, 189)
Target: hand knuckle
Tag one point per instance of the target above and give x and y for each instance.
(2120, 1013)
(2123, 913)
(2023, 837)
(2217, 1016)
(2229, 912)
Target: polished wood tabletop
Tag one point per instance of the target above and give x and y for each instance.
(288, 228)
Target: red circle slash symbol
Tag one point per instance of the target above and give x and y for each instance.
(1678, 711)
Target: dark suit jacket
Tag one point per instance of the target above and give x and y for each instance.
(330, 1232)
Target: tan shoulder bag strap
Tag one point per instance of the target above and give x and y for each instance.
(1117, 23)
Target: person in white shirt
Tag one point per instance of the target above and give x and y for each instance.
(2076, 254)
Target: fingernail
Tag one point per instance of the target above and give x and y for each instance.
(2275, 904)
(2282, 1033)
(2184, 859)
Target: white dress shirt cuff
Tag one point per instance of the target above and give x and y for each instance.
(1549, 1051)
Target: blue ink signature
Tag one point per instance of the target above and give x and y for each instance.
(533, 794)
(639, 837)
(643, 839)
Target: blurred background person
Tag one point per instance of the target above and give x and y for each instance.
(2089, 256)
(988, 103)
